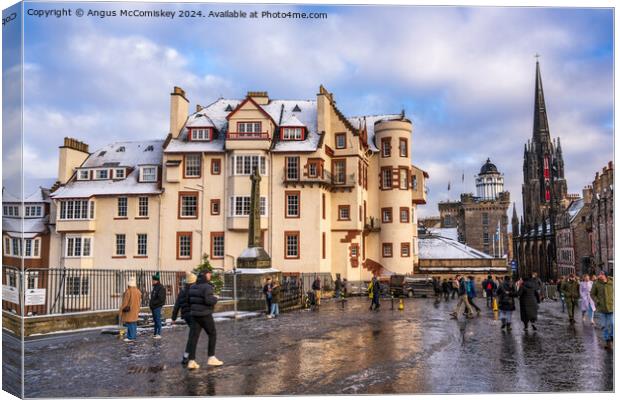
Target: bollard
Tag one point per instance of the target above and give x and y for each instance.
(495, 307)
(401, 305)
(392, 299)
(121, 333)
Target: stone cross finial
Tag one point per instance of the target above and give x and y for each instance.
(254, 236)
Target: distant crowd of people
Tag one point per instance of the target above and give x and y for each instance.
(593, 295)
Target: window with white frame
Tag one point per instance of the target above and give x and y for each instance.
(83, 175)
(185, 245)
(142, 244)
(120, 244)
(240, 206)
(78, 246)
(102, 174)
(292, 245)
(143, 206)
(122, 207)
(32, 248)
(148, 174)
(33, 211)
(77, 209)
(292, 204)
(189, 205)
(11, 278)
(292, 168)
(344, 213)
(292, 133)
(404, 178)
(10, 211)
(16, 246)
(245, 164)
(402, 147)
(193, 164)
(32, 280)
(201, 134)
(249, 127)
(340, 170)
(386, 178)
(341, 140)
(119, 173)
(7, 246)
(217, 245)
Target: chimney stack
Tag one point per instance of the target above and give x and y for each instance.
(179, 109)
(260, 98)
(72, 154)
(587, 194)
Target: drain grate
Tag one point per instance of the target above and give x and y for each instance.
(146, 370)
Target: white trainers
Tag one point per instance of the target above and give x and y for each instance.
(127, 340)
(213, 361)
(192, 365)
(157, 337)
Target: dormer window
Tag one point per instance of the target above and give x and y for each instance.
(121, 149)
(149, 148)
(292, 133)
(119, 173)
(201, 134)
(102, 174)
(83, 175)
(249, 127)
(148, 174)
(33, 211)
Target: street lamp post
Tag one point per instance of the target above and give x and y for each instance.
(234, 284)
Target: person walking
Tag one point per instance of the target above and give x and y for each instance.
(445, 288)
(437, 289)
(276, 292)
(156, 302)
(471, 293)
(459, 283)
(316, 287)
(529, 298)
(268, 295)
(603, 295)
(587, 303)
(570, 288)
(202, 301)
(539, 286)
(454, 288)
(337, 286)
(345, 287)
(506, 293)
(182, 304)
(560, 294)
(130, 309)
(490, 287)
(374, 290)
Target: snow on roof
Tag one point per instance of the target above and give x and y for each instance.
(31, 226)
(306, 116)
(449, 233)
(438, 247)
(574, 208)
(126, 154)
(134, 154)
(371, 120)
(292, 121)
(34, 189)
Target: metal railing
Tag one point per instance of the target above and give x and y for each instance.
(247, 135)
(62, 291)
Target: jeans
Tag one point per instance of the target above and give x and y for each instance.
(375, 302)
(268, 301)
(489, 299)
(608, 325)
(471, 302)
(157, 320)
(275, 309)
(132, 330)
(505, 315)
(199, 324)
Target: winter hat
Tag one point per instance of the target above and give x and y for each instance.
(132, 281)
(156, 276)
(190, 278)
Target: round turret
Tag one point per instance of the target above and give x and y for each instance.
(489, 183)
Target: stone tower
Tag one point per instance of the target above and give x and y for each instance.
(544, 185)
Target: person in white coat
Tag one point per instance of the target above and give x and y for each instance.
(587, 304)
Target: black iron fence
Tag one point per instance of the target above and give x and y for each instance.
(63, 290)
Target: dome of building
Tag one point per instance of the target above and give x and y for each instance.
(488, 168)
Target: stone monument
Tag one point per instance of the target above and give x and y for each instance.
(253, 265)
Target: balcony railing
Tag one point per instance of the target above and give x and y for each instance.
(326, 178)
(247, 135)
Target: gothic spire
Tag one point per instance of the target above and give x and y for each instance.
(541, 125)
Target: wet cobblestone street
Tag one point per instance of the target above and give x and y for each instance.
(332, 351)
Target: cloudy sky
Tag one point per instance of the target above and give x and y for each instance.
(465, 76)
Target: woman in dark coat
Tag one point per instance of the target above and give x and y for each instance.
(528, 302)
(506, 292)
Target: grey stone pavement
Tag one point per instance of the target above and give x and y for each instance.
(332, 351)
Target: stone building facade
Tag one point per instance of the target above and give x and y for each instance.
(339, 194)
(602, 219)
(572, 239)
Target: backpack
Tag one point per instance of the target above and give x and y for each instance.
(489, 286)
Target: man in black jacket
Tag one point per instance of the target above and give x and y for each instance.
(202, 300)
(156, 302)
(183, 305)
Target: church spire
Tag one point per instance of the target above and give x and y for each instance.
(541, 125)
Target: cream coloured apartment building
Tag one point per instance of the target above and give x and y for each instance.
(338, 194)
